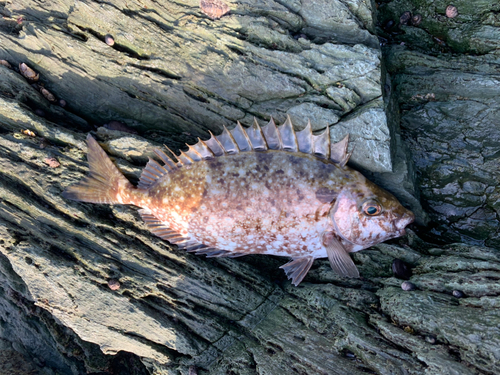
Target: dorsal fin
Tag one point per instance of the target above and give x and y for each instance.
(338, 152)
(321, 144)
(193, 153)
(287, 134)
(256, 137)
(151, 173)
(272, 136)
(169, 163)
(202, 149)
(269, 137)
(185, 159)
(215, 145)
(228, 143)
(305, 139)
(240, 136)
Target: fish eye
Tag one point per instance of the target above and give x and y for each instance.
(371, 208)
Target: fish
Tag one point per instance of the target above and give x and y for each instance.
(256, 190)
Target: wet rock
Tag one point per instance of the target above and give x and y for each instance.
(224, 315)
(457, 172)
(120, 126)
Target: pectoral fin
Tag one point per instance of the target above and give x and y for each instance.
(297, 269)
(339, 258)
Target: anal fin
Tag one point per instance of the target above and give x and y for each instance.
(212, 252)
(161, 230)
(339, 258)
(297, 269)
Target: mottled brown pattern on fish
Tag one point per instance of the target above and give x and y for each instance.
(256, 191)
(175, 197)
(255, 203)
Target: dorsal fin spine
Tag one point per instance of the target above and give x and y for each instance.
(338, 152)
(272, 136)
(202, 149)
(227, 141)
(256, 137)
(193, 153)
(160, 170)
(305, 140)
(151, 173)
(185, 159)
(241, 137)
(321, 144)
(215, 146)
(288, 138)
(169, 163)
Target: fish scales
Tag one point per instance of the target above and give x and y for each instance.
(268, 200)
(291, 196)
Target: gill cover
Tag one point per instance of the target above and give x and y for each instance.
(360, 219)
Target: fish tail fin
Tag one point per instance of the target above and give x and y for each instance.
(104, 182)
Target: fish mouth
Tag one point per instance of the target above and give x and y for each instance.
(406, 219)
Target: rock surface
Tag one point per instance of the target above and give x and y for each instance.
(87, 289)
(450, 111)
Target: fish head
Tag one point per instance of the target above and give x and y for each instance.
(364, 215)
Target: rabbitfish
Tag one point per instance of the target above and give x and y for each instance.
(258, 190)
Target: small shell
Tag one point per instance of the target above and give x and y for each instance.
(349, 354)
(389, 25)
(451, 11)
(39, 112)
(405, 18)
(416, 19)
(62, 103)
(408, 286)
(214, 9)
(458, 294)
(52, 162)
(109, 40)
(431, 339)
(5, 63)
(28, 73)
(29, 132)
(192, 370)
(48, 95)
(114, 284)
(409, 330)
(400, 269)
